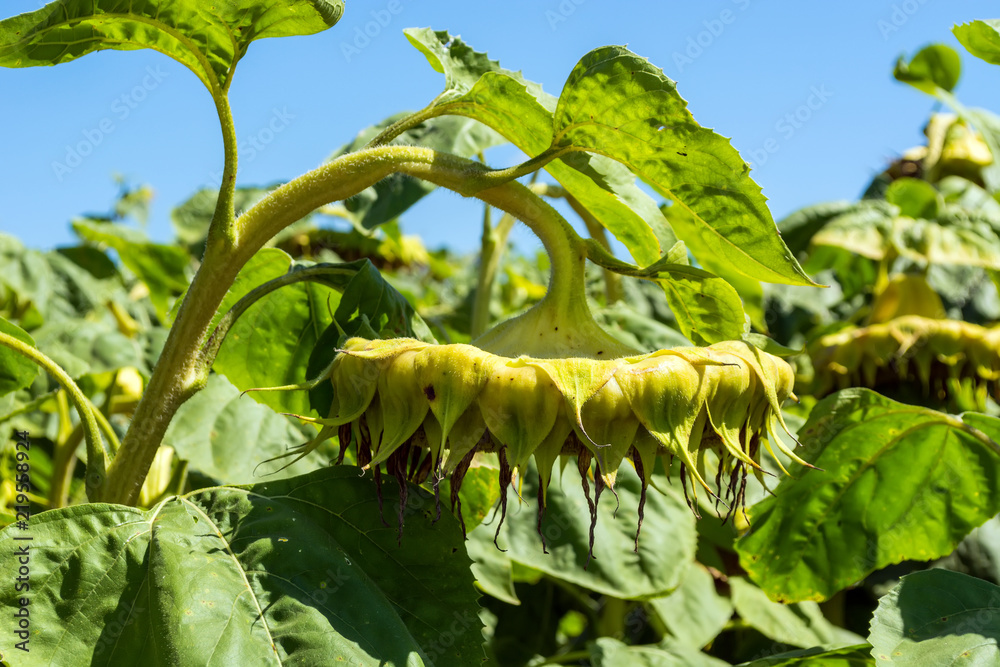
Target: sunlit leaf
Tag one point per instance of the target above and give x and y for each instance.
(477, 87)
(981, 39)
(621, 106)
(895, 482)
(207, 39)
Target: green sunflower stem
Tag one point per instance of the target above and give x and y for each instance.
(185, 362)
(97, 453)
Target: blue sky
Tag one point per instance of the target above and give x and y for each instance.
(803, 89)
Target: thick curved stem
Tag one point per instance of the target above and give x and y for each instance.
(183, 366)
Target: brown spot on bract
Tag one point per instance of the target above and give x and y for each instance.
(429, 392)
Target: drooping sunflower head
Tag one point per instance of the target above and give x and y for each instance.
(948, 358)
(421, 410)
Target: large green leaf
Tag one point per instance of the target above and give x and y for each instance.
(16, 370)
(937, 617)
(666, 546)
(299, 571)
(478, 88)
(895, 482)
(161, 267)
(981, 39)
(225, 437)
(619, 105)
(208, 39)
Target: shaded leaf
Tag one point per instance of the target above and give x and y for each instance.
(492, 568)
(694, 613)
(225, 437)
(666, 547)
(608, 652)
(371, 306)
(798, 229)
(849, 656)
(286, 572)
(800, 624)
